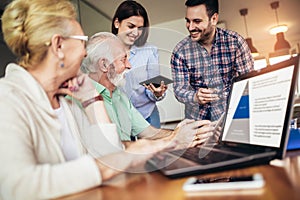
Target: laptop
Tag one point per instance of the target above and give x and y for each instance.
(255, 128)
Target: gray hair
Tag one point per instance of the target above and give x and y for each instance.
(98, 47)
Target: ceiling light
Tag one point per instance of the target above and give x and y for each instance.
(279, 27)
(253, 50)
(281, 42)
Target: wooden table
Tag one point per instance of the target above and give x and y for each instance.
(282, 182)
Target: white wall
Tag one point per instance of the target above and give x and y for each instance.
(165, 36)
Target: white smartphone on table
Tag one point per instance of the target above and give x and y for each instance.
(254, 181)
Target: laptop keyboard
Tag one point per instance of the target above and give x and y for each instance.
(240, 150)
(204, 156)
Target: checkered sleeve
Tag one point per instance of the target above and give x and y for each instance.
(244, 62)
(181, 77)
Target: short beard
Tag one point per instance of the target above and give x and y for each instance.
(117, 80)
(204, 38)
(206, 34)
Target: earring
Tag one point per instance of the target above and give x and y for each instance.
(61, 56)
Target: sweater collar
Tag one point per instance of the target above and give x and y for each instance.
(21, 79)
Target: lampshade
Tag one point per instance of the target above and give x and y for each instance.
(253, 50)
(281, 42)
(279, 30)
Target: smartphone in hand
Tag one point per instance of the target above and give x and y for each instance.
(157, 80)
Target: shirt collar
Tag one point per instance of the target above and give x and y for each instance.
(217, 35)
(133, 50)
(102, 90)
(105, 92)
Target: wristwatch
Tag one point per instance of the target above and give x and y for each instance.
(91, 100)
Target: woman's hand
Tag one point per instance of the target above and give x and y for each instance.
(82, 89)
(79, 87)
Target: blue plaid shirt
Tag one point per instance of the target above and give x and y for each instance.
(194, 68)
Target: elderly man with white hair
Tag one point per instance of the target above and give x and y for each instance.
(107, 63)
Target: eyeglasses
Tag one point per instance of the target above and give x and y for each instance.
(79, 37)
(76, 37)
(83, 38)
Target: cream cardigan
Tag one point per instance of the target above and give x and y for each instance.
(32, 163)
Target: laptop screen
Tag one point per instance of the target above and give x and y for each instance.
(258, 106)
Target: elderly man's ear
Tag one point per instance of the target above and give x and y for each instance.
(102, 64)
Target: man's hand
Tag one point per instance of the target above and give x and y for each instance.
(190, 133)
(206, 95)
(143, 149)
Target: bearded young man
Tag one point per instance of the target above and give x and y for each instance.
(205, 62)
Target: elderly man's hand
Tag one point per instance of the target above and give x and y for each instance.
(190, 133)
